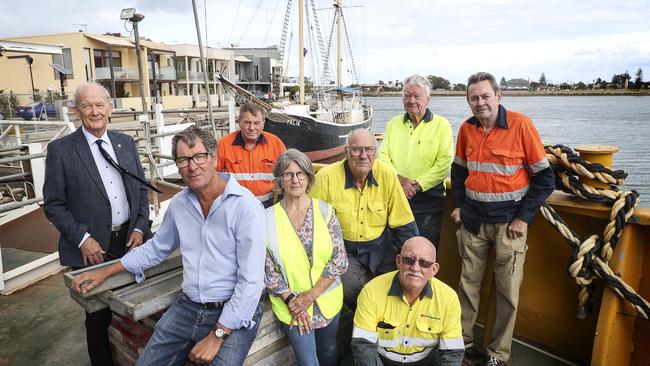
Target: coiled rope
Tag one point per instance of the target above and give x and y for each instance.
(591, 255)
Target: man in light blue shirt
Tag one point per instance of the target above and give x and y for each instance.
(216, 224)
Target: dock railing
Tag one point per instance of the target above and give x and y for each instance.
(23, 148)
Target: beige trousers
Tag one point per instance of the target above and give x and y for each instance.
(508, 274)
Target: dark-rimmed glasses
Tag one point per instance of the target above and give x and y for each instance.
(199, 159)
(356, 150)
(288, 176)
(409, 261)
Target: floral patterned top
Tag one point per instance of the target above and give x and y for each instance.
(338, 264)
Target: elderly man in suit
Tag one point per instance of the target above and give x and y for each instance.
(93, 197)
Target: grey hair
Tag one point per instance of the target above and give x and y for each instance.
(88, 84)
(190, 135)
(482, 76)
(349, 136)
(252, 108)
(418, 80)
(303, 162)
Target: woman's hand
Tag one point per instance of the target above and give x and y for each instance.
(300, 303)
(302, 321)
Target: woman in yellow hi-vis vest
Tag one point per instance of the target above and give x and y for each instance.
(305, 259)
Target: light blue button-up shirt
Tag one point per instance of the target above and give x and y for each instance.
(223, 254)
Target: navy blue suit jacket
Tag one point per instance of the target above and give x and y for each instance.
(75, 198)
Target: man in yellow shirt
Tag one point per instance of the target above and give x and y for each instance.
(408, 317)
(420, 146)
(371, 208)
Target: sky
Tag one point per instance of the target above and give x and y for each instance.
(567, 40)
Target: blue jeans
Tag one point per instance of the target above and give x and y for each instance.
(184, 324)
(316, 348)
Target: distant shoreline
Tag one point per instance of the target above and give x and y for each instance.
(526, 93)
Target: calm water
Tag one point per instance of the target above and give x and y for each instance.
(620, 121)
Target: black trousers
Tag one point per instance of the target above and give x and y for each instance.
(429, 221)
(97, 323)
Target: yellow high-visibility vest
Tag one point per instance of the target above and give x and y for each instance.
(283, 244)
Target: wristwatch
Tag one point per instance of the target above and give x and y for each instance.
(220, 333)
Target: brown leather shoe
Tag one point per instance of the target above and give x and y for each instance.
(473, 357)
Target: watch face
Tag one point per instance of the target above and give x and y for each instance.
(219, 332)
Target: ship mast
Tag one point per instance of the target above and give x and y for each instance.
(337, 7)
(301, 51)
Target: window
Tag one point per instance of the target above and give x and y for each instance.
(64, 60)
(256, 72)
(102, 56)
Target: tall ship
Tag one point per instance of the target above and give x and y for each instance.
(316, 126)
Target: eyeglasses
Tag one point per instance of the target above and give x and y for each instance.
(288, 176)
(356, 150)
(409, 261)
(199, 159)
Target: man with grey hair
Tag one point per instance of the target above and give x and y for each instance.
(216, 224)
(420, 146)
(99, 211)
(371, 207)
(500, 177)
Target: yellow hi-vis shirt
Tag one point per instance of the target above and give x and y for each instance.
(406, 333)
(424, 154)
(363, 214)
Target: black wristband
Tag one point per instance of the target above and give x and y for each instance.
(289, 298)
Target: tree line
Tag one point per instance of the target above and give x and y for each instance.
(618, 81)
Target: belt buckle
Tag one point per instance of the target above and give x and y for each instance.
(213, 305)
(115, 228)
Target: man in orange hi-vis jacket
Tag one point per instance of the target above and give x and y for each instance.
(250, 153)
(500, 177)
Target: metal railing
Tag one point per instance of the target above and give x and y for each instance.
(190, 76)
(164, 73)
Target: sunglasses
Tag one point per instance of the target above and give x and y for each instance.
(409, 261)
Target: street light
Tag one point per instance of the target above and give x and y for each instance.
(30, 61)
(129, 15)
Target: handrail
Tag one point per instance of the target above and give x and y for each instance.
(10, 177)
(22, 158)
(13, 205)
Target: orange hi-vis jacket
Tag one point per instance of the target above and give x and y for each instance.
(253, 169)
(496, 173)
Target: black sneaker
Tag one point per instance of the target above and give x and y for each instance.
(473, 357)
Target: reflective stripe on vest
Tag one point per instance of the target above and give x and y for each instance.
(264, 197)
(289, 255)
(497, 197)
(402, 358)
(252, 176)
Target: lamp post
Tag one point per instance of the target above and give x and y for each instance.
(130, 16)
(30, 61)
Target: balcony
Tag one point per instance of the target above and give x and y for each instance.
(165, 73)
(119, 73)
(191, 76)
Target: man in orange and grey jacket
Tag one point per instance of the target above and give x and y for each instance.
(500, 177)
(250, 153)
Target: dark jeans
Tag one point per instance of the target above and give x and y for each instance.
(429, 221)
(97, 323)
(318, 348)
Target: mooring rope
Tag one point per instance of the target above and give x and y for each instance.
(591, 255)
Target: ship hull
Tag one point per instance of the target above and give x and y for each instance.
(322, 141)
